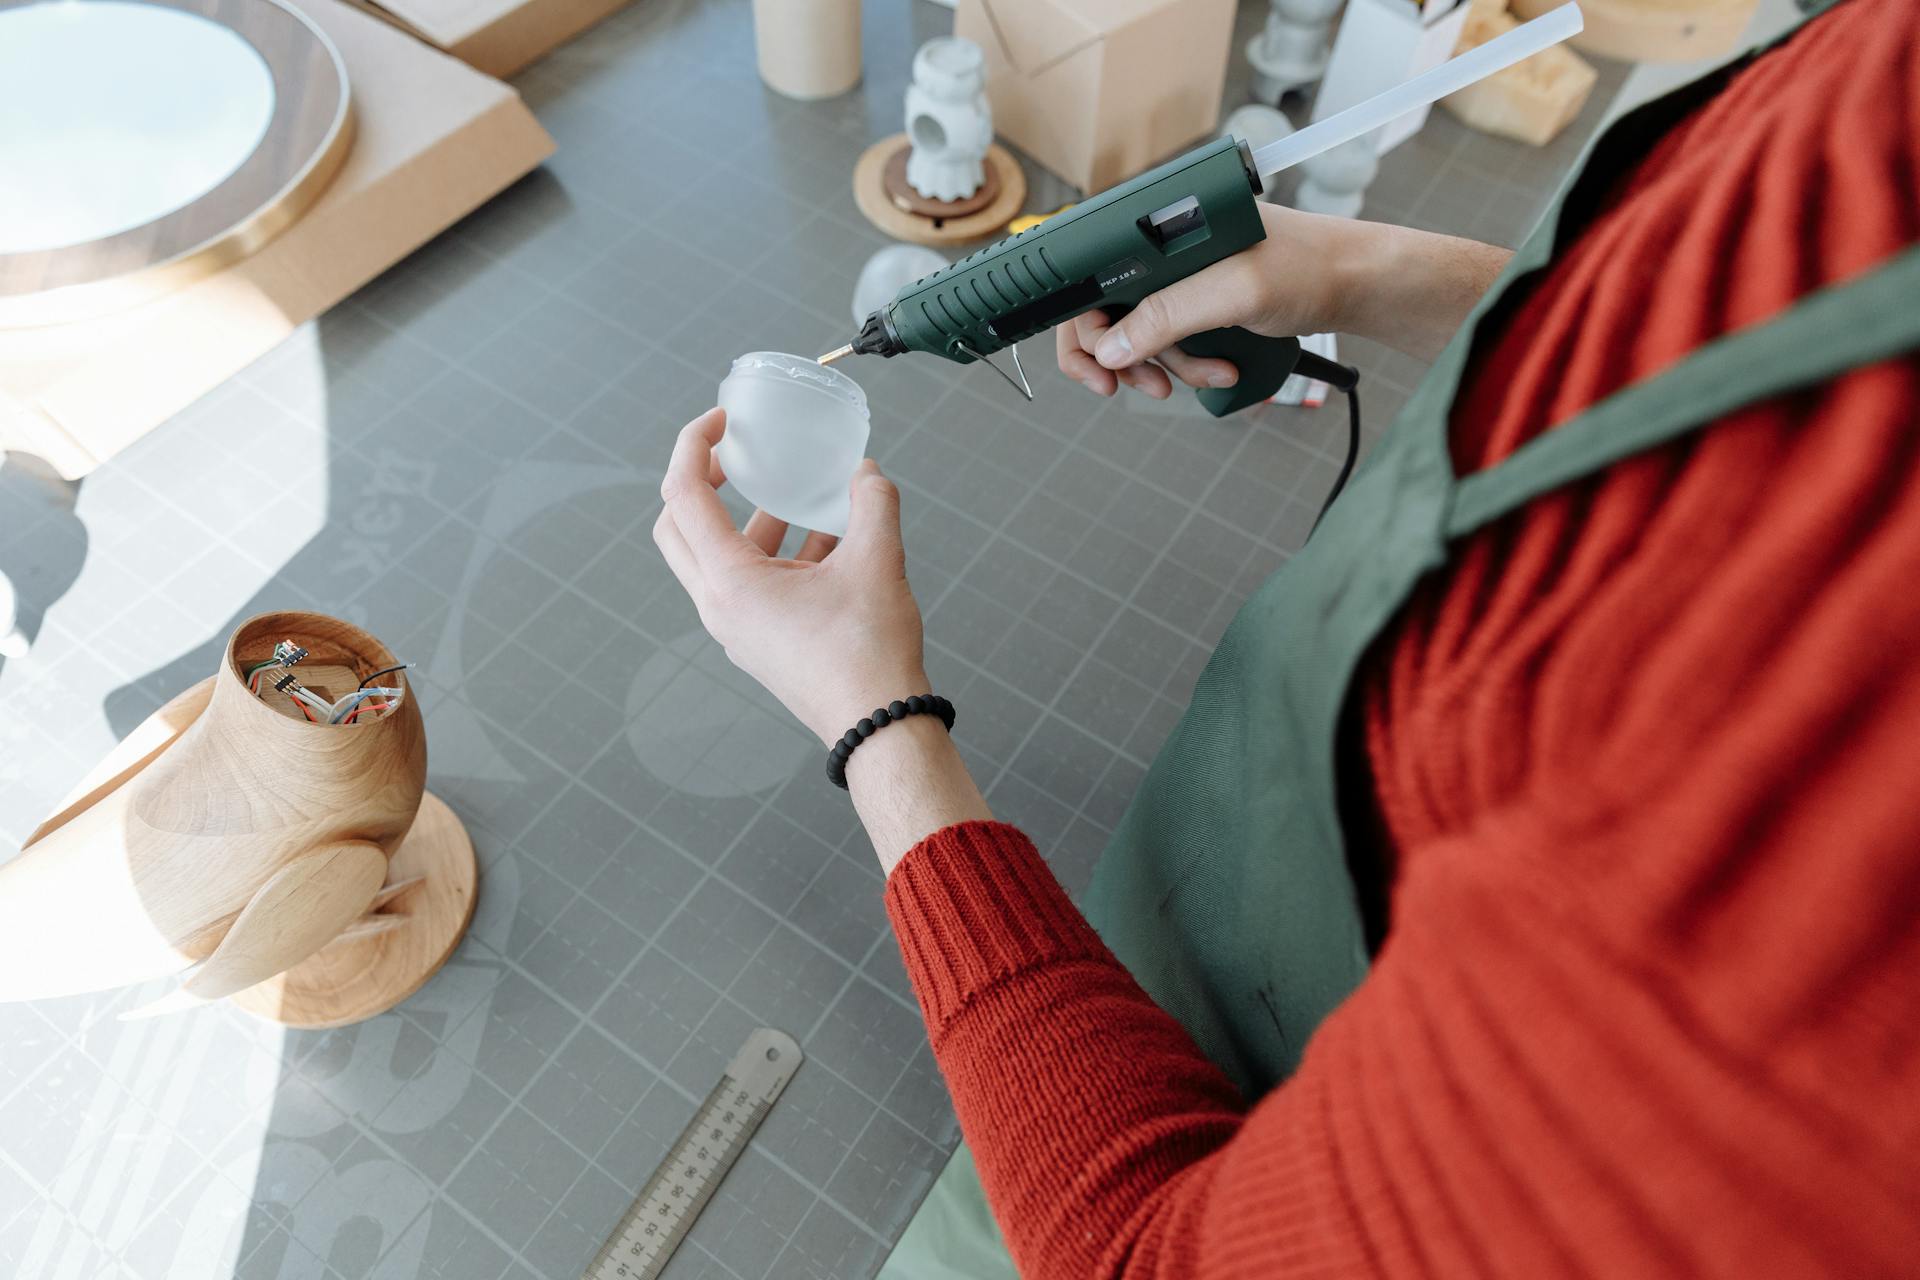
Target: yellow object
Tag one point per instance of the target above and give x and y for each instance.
(1028, 221)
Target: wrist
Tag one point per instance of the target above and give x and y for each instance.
(1406, 289)
(1363, 265)
(858, 698)
(907, 781)
(1419, 286)
(903, 747)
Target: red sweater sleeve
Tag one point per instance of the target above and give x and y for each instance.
(1646, 755)
(1512, 1091)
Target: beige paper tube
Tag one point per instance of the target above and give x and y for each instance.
(808, 48)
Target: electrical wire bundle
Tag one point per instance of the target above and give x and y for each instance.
(318, 710)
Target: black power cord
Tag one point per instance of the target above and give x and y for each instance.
(387, 671)
(1346, 380)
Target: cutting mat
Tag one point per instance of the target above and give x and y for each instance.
(465, 459)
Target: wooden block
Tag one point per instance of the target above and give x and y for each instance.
(1531, 101)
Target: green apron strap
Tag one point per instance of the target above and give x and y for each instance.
(1857, 322)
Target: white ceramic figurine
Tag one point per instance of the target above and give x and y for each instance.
(948, 119)
(1291, 50)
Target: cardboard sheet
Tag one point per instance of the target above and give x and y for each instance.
(435, 140)
(498, 37)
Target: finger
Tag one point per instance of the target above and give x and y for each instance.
(765, 532)
(690, 496)
(1149, 379)
(1077, 363)
(1089, 327)
(1222, 294)
(679, 557)
(873, 526)
(1198, 371)
(1084, 369)
(816, 547)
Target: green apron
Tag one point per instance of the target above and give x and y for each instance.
(1227, 889)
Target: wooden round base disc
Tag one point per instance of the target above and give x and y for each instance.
(870, 193)
(354, 979)
(901, 192)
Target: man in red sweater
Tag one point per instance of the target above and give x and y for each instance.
(1640, 758)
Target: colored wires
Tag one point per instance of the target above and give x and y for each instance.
(285, 654)
(369, 700)
(361, 700)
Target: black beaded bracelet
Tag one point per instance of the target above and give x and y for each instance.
(918, 704)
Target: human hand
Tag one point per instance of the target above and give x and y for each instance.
(1279, 287)
(1312, 274)
(833, 632)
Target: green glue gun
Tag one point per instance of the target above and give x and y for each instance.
(1108, 253)
(1113, 250)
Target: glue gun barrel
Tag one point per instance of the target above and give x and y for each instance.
(876, 338)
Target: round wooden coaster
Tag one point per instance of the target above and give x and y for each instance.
(901, 192)
(358, 977)
(870, 193)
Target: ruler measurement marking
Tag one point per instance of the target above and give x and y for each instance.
(694, 1166)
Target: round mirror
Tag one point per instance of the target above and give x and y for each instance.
(147, 143)
(116, 114)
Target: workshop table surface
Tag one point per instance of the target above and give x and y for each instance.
(465, 459)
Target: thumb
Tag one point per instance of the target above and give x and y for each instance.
(1218, 296)
(873, 526)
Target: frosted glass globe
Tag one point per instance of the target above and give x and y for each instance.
(795, 432)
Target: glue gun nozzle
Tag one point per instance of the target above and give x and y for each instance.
(838, 353)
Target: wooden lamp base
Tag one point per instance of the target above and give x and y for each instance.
(369, 971)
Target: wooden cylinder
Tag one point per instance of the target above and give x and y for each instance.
(808, 48)
(1653, 30)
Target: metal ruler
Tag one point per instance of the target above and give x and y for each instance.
(679, 1189)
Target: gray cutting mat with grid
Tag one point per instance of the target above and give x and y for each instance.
(465, 458)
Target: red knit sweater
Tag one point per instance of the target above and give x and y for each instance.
(1647, 757)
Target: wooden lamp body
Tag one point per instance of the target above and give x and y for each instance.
(299, 868)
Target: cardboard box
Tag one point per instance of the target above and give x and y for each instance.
(1099, 90)
(498, 37)
(435, 140)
